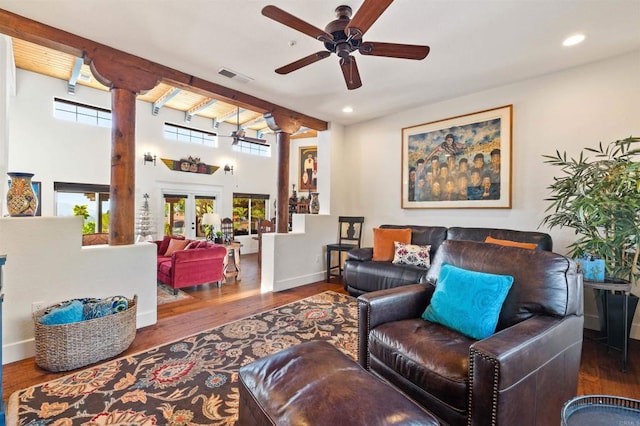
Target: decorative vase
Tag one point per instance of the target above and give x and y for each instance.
(21, 197)
(314, 204)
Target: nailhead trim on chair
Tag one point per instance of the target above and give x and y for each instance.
(496, 375)
(368, 364)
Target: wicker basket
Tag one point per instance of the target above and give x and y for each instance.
(69, 346)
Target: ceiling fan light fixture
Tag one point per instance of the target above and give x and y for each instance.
(574, 39)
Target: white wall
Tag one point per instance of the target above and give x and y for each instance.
(46, 264)
(567, 110)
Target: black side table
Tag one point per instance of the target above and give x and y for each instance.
(626, 290)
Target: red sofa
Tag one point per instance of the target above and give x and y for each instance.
(199, 262)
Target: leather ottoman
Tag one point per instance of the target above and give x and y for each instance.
(315, 384)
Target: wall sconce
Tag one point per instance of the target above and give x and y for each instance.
(228, 168)
(149, 158)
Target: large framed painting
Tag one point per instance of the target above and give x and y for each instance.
(308, 172)
(458, 162)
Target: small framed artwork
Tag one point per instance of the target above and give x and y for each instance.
(458, 162)
(308, 179)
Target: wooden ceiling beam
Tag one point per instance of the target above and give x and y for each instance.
(32, 31)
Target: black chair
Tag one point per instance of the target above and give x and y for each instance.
(350, 235)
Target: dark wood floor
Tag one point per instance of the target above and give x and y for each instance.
(212, 306)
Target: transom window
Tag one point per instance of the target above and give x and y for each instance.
(189, 135)
(81, 113)
(252, 148)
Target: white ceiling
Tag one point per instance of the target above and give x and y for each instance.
(475, 44)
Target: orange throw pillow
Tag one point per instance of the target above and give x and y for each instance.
(509, 243)
(176, 245)
(383, 239)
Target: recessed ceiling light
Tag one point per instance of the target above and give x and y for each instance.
(347, 109)
(573, 40)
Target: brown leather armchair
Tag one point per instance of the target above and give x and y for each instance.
(520, 375)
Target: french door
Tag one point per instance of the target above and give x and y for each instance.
(183, 213)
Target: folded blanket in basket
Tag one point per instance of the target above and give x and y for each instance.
(64, 313)
(83, 309)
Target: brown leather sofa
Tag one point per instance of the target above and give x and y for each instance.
(362, 274)
(521, 375)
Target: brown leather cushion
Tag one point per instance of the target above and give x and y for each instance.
(429, 355)
(541, 279)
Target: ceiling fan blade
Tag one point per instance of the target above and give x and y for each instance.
(368, 13)
(285, 18)
(254, 140)
(307, 60)
(350, 72)
(394, 50)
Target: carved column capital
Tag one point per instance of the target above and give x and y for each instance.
(282, 122)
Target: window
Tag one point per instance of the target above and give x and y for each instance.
(81, 113)
(186, 134)
(91, 202)
(253, 148)
(248, 210)
(181, 209)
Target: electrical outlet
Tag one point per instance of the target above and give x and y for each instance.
(36, 306)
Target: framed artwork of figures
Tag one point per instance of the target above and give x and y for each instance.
(458, 162)
(307, 174)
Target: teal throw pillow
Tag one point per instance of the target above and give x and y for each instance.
(66, 313)
(468, 301)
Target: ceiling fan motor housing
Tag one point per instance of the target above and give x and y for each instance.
(341, 44)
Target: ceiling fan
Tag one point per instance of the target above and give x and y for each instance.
(344, 36)
(240, 135)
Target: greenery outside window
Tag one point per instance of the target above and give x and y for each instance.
(89, 201)
(248, 210)
(174, 213)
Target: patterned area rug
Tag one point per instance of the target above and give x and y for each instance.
(165, 294)
(188, 382)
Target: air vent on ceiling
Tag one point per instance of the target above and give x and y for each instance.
(84, 77)
(226, 72)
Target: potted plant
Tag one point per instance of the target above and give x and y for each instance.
(598, 195)
(218, 238)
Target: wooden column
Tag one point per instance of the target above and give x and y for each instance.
(123, 169)
(284, 126)
(125, 81)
